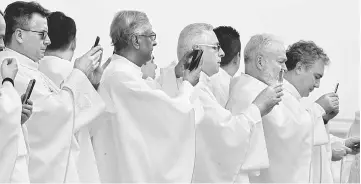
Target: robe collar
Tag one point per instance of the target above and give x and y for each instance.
(23, 60)
(291, 89)
(135, 69)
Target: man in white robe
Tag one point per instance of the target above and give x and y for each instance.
(57, 65)
(291, 130)
(14, 156)
(305, 64)
(59, 113)
(230, 43)
(222, 139)
(147, 136)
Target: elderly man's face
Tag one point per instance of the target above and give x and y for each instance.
(147, 40)
(309, 77)
(34, 37)
(2, 32)
(273, 58)
(212, 53)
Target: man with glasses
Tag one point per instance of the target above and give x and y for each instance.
(13, 115)
(222, 139)
(59, 113)
(148, 137)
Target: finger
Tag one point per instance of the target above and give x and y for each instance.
(277, 85)
(28, 107)
(95, 58)
(94, 50)
(26, 112)
(29, 102)
(278, 89)
(279, 95)
(107, 63)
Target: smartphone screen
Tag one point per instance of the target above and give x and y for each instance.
(196, 59)
(29, 90)
(96, 41)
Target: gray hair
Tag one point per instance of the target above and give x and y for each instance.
(191, 35)
(256, 44)
(124, 25)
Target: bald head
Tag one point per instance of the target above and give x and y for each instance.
(191, 35)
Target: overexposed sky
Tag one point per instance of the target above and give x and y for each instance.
(332, 24)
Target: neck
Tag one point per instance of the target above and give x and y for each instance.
(289, 76)
(66, 55)
(131, 55)
(229, 69)
(252, 71)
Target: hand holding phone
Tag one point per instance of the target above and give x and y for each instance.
(29, 90)
(96, 41)
(196, 59)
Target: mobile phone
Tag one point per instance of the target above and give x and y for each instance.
(336, 87)
(29, 90)
(280, 76)
(196, 59)
(96, 41)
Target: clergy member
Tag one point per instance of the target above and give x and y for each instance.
(57, 66)
(290, 130)
(222, 139)
(305, 64)
(59, 113)
(148, 136)
(228, 38)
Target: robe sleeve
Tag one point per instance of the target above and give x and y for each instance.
(10, 117)
(222, 139)
(319, 129)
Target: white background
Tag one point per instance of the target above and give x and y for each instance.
(332, 24)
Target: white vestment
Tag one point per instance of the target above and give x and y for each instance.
(147, 136)
(290, 132)
(168, 82)
(220, 86)
(57, 70)
(222, 139)
(56, 124)
(14, 157)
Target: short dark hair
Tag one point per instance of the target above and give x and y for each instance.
(62, 31)
(228, 38)
(18, 14)
(306, 52)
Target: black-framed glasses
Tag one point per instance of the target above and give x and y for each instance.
(152, 36)
(216, 47)
(43, 34)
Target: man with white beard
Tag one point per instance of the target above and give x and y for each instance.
(291, 130)
(222, 139)
(59, 113)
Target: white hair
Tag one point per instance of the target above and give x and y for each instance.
(191, 35)
(257, 43)
(124, 24)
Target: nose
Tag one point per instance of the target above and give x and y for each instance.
(284, 67)
(47, 41)
(155, 43)
(317, 83)
(156, 66)
(220, 53)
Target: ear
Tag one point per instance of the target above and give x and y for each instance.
(135, 42)
(73, 44)
(260, 62)
(299, 68)
(19, 36)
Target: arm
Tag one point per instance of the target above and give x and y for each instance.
(321, 135)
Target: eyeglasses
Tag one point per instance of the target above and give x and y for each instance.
(43, 34)
(152, 36)
(216, 47)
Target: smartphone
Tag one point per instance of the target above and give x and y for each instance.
(29, 90)
(336, 87)
(96, 41)
(280, 76)
(196, 59)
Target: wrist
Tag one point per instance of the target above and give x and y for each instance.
(7, 79)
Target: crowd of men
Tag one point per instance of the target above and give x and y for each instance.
(119, 122)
